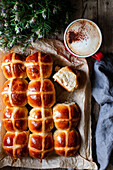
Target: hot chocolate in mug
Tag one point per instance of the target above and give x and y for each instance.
(83, 38)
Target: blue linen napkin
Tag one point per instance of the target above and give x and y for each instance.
(103, 94)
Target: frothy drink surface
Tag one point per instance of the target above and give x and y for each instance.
(83, 37)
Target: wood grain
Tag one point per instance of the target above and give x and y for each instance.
(77, 12)
(105, 22)
(101, 12)
(91, 11)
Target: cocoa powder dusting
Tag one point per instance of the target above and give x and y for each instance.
(74, 36)
(78, 36)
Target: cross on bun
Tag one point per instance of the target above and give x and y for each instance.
(66, 116)
(14, 92)
(39, 65)
(40, 145)
(13, 66)
(40, 120)
(41, 93)
(15, 118)
(67, 78)
(16, 144)
(66, 142)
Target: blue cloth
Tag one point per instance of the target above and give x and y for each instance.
(103, 94)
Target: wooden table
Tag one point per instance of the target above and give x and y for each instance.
(101, 12)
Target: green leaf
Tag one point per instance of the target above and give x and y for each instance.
(25, 13)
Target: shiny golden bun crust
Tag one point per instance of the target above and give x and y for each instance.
(14, 92)
(40, 120)
(15, 118)
(16, 144)
(41, 93)
(40, 145)
(39, 65)
(66, 116)
(67, 142)
(13, 66)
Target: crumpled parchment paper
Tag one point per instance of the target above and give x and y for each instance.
(81, 96)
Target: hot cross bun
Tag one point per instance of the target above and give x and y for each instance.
(40, 145)
(15, 118)
(41, 93)
(14, 92)
(13, 66)
(39, 65)
(67, 78)
(66, 142)
(40, 120)
(66, 116)
(16, 144)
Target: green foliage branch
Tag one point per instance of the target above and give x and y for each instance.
(23, 20)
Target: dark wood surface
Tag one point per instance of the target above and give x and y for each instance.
(101, 12)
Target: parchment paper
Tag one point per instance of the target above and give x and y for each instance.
(81, 96)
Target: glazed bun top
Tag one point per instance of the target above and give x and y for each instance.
(39, 65)
(14, 92)
(66, 116)
(13, 66)
(41, 93)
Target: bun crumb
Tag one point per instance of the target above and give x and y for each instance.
(67, 78)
